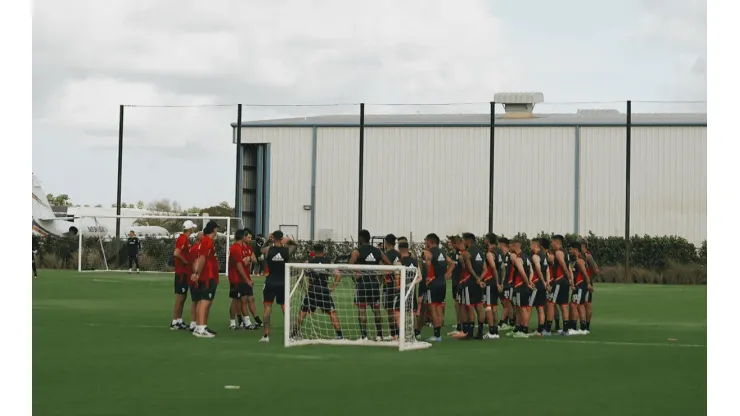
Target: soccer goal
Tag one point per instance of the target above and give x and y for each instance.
(321, 302)
(100, 250)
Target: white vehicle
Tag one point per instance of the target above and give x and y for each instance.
(45, 222)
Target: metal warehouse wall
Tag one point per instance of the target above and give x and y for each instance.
(421, 180)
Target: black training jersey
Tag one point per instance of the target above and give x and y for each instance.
(543, 268)
(319, 278)
(436, 275)
(526, 265)
(457, 270)
(390, 278)
(557, 271)
(133, 245)
(276, 259)
(476, 260)
(506, 263)
(392, 255)
(368, 254)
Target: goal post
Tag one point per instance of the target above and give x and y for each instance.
(323, 301)
(99, 250)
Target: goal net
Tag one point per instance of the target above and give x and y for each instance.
(100, 250)
(343, 304)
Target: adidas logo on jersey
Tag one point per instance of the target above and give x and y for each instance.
(441, 257)
(411, 266)
(478, 257)
(278, 257)
(370, 257)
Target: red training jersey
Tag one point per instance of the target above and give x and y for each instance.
(192, 256)
(183, 244)
(246, 254)
(577, 275)
(589, 270)
(208, 251)
(236, 256)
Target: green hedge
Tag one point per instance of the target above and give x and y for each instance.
(657, 255)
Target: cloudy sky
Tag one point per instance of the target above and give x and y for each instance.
(89, 56)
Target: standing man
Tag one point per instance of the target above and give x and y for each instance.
(592, 269)
(134, 246)
(582, 283)
(276, 254)
(237, 276)
(472, 290)
(391, 286)
(522, 286)
(205, 272)
(318, 294)
(439, 269)
(182, 270)
(507, 318)
(560, 283)
(368, 287)
(454, 244)
(34, 250)
(191, 257)
(494, 260)
(246, 289)
(540, 277)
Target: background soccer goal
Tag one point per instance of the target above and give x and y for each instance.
(305, 328)
(100, 251)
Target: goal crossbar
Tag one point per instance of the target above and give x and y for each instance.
(405, 341)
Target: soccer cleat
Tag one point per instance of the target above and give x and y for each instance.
(234, 327)
(490, 336)
(586, 332)
(361, 339)
(434, 339)
(520, 335)
(129, 271)
(174, 327)
(204, 334)
(210, 331)
(265, 339)
(547, 334)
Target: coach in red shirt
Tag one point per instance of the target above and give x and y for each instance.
(182, 268)
(205, 272)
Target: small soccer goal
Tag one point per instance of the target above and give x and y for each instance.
(99, 250)
(342, 304)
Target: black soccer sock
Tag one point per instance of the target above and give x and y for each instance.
(525, 328)
(34, 269)
(540, 328)
(379, 327)
(363, 330)
(437, 331)
(501, 323)
(573, 324)
(583, 325)
(471, 328)
(491, 329)
(480, 328)
(516, 328)
(548, 326)
(588, 325)
(258, 320)
(239, 320)
(393, 329)
(339, 334)
(459, 327)
(417, 332)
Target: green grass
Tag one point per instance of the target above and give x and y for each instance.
(101, 347)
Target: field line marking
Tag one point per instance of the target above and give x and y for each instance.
(108, 281)
(131, 326)
(637, 344)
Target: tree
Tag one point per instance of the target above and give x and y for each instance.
(140, 204)
(61, 200)
(99, 206)
(221, 210)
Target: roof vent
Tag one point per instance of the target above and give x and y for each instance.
(518, 104)
(597, 112)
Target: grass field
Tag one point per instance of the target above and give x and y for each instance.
(101, 346)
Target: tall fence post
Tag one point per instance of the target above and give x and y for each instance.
(628, 245)
(362, 167)
(491, 164)
(120, 170)
(238, 209)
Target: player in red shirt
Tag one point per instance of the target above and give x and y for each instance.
(182, 269)
(247, 288)
(205, 272)
(237, 276)
(592, 269)
(194, 295)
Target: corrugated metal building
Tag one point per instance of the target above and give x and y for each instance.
(560, 173)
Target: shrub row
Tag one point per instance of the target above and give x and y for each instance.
(671, 260)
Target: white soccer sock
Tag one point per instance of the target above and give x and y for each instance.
(200, 328)
(192, 324)
(175, 321)
(232, 322)
(247, 322)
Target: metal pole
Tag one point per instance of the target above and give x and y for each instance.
(628, 245)
(362, 167)
(120, 170)
(491, 163)
(239, 168)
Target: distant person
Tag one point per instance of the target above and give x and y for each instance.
(34, 251)
(134, 246)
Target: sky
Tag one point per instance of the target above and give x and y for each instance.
(90, 56)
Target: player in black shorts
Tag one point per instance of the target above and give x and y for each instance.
(582, 283)
(439, 268)
(507, 317)
(561, 281)
(592, 269)
(276, 255)
(493, 263)
(368, 287)
(413, 277)
(391, 286)
(456, 247)
(540, 276)
(318, 293)
(522, 286)
(472, 286)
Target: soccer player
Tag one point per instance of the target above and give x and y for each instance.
(276, 254)
(191, 257)
(34, 250)
(582, 283)
(456, 247)
(493, 263)
(507, 318)
(391, 286)
(522, 286)
(182, 267)
(368, 287)
(472, 289)
(205, 272)
(592, 269)
(560, 281)
(237, 277)
(318, 294)
(540, 277)
(246, 289)
(439, 269)
(134, 246)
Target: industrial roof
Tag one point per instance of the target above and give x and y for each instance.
(586, 118)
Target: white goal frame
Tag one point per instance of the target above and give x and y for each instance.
(204, 219)
(406, 290)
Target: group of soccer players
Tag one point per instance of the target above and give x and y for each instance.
(558, 285)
